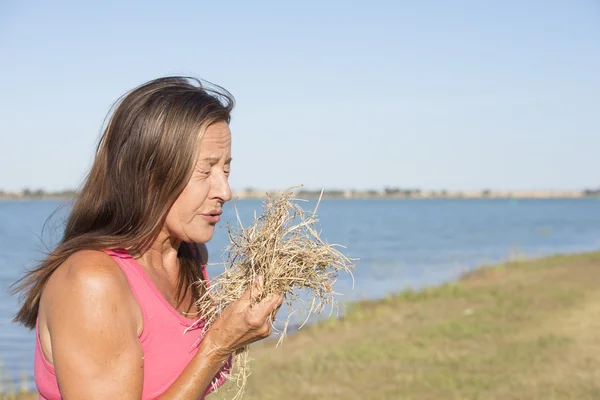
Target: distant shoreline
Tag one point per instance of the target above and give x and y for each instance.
(356, 194)
(426, 194)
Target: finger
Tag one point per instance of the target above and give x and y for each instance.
(254, 290)
(257, 288)
(276, 301)
(277, 305)
(259, 282)
(269, 303)
(274, 312)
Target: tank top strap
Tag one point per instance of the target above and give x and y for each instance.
(151, 301)
(130, 268)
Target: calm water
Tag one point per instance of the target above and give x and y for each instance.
(400, 244)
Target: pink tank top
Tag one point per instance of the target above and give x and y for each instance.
(167, 347)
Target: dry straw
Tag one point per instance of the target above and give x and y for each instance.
(283, 246)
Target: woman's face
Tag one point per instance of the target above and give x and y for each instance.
(197, 210)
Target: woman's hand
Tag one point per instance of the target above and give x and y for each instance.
(244, 322)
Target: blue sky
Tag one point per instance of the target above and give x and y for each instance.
(437, 95)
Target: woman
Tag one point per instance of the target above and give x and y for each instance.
(112, 305)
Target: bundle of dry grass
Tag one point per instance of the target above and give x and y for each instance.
(284, 247)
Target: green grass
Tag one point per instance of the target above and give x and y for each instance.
(521, 330)
(11, 389)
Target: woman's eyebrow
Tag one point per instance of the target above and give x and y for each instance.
(214, 160)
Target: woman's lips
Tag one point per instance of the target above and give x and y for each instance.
(212, 218)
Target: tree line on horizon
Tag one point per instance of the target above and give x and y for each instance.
(386, 192)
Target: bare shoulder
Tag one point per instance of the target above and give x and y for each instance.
(88, 273)
(87, 284)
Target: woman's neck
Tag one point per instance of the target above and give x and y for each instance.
(161, 258)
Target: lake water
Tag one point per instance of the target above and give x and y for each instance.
(399, 243)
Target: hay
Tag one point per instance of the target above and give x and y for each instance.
(284, 247)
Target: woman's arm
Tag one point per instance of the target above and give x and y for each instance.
(93, 323)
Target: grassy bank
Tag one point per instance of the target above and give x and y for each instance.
(523, 330)
(526, 330)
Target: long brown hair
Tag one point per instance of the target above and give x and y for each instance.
(143, 161)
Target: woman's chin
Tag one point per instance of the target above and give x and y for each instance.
(203, 236)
